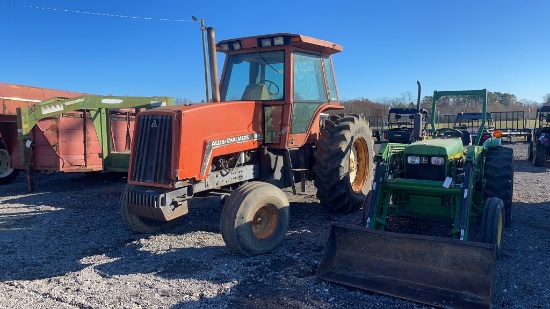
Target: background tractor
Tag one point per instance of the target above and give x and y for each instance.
(442, 178)
(264, 135)
(469, 123)
(539, 146)
(401, 123)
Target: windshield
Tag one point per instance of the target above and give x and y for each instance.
(254, 76)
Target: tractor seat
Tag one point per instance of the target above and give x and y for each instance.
(254, 92)
(466, 137)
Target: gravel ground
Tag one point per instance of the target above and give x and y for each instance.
(66, 246)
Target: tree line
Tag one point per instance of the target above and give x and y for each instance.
(448, 105)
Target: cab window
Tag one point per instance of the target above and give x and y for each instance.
(310, 90)
(254, 76)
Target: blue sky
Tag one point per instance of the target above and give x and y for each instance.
(388, 45)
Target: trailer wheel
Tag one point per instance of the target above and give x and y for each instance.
(499, 176)
(539, 155)
(493, 223)
(255, 218)
(344, 163)
(7, 173)
(139, 224)
(530, 154)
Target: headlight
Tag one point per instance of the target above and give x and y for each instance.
(413, 159)
(438, 160)
(279, 40)
(266, 42)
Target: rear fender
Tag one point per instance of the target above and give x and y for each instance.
(492, 142)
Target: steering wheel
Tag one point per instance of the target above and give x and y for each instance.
(448, 133)
(269, 84)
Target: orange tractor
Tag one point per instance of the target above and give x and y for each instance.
(269, 131)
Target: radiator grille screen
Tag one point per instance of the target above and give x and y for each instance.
(152, 159)
(426, 171)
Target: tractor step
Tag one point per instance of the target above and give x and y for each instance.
(431, 270)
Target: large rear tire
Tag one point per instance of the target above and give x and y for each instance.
(7, 173)
(255, 218)
(493, 223)
(539, 156)
(344, 163)
(499, 176)
(139, 224)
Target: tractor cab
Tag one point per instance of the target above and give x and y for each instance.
(539, 146)
(542, 120)
(293, 77)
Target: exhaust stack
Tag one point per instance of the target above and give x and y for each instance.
(213, 63)
(418, 117)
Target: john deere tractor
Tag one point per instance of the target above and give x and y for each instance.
(446, 178)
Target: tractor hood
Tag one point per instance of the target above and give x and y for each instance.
(436, 147)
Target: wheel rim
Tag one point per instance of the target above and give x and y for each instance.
(265, 221)
(5, 168)
(358, 163)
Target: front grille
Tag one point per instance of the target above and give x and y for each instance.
(152, 158)
(425, 171)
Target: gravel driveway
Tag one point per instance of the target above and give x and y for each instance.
(66, 246)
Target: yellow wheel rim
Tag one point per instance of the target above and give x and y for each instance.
(358, 164)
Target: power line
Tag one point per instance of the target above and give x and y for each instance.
(96, 14)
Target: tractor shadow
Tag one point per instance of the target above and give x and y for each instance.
(43, 231)
(524, 166)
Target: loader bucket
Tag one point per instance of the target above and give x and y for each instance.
(436, 271)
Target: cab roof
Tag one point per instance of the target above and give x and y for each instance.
(291, 39)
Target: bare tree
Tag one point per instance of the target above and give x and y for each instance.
(182, 101)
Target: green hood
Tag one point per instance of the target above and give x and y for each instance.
(436, 147)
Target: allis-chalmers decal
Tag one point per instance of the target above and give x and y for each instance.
(225, 142)
(235, 139)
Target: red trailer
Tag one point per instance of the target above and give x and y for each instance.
(54, 130)
(13, 97)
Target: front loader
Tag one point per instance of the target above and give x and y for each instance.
(448, 179)
(265, 134)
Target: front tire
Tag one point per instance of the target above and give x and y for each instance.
(493, 223)
(499, 175)
(255, 218)
(7, 173)
(344, 163)
(539, 155)
(139, 224)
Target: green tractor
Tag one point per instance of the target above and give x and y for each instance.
(446, 178)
